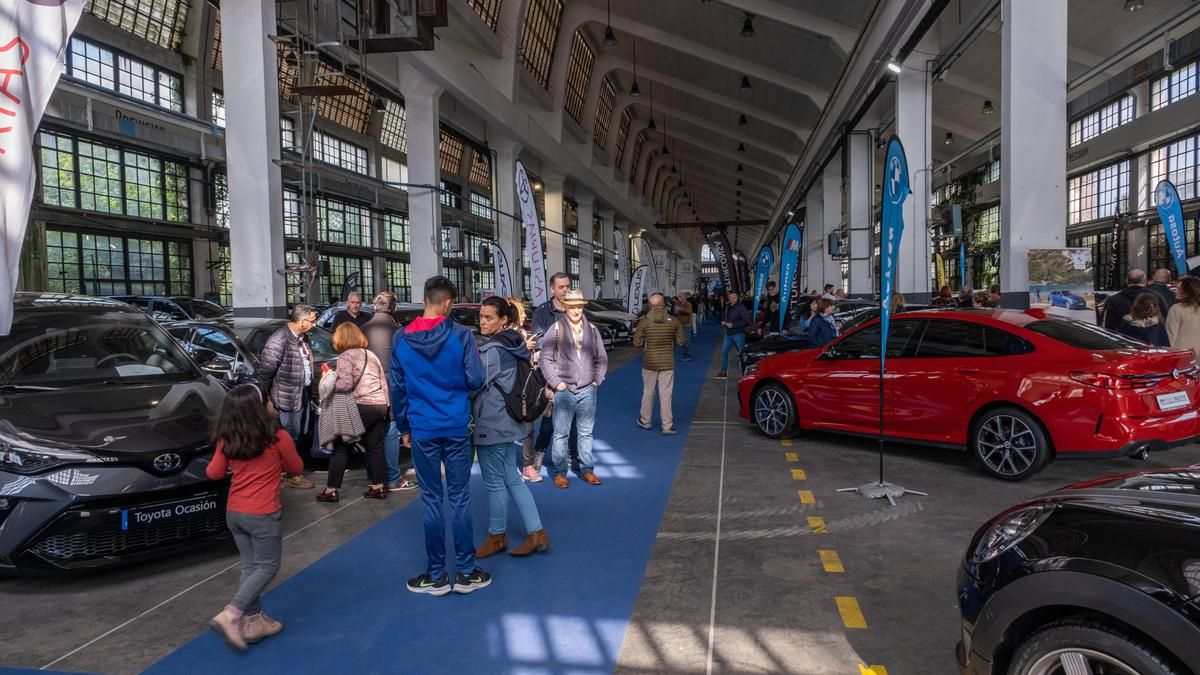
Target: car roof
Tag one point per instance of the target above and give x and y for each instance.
(50, 301)
(1015, 317)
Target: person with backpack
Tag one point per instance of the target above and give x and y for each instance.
(250, 444)
(531, 457)
(498, 430)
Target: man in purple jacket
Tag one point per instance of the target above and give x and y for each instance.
(574, 363)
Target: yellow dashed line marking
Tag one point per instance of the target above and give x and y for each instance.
(786, 442)
(798, 474)
(871, 670)
(806, 497)
(852, 616)
(817, 525)
(791, 457)
(831, 562)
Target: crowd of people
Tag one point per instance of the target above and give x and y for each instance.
(1154, 312)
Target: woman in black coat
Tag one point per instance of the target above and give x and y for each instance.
(1144, 321)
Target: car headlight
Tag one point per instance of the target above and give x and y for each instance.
(24, 461)
(752, 368)
(1007, 531)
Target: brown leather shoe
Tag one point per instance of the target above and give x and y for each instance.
(590, 478)
(560, 481)
(536, 542)
(495, 543)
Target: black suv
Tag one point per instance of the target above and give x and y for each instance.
(104, 424)
(1099, 577)
(162, 308)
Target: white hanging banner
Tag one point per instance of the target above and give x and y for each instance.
(33, 36)
(622, 246)
(503, 277)
(646, 257)
(533, 238)
(637, 286)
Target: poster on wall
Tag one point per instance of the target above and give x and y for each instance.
(1062, 282)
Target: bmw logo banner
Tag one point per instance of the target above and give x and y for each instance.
(895, 192)
(762, 270)
(789, 262)
(1166, 198)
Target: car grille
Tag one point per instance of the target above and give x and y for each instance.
(94, 544)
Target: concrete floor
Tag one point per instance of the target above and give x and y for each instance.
(773, 606)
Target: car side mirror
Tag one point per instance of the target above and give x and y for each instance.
(212, 363)
(831, 354)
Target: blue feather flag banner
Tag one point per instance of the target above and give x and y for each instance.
(789, 264)
(895, 192)
(1166, 197)
(762, 271)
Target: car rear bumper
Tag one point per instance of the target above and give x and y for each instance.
(1130, 449)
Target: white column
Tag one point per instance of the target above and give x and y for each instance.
(509, 230)
(424, 207)
(814, 240)
(831, 211)
(1033, 122)
(556, 251)
(859, 203)
(587, 280)
(252, 155)
(914, 115)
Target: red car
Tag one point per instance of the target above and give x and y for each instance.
(1015, 388)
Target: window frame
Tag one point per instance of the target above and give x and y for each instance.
(539, 36)
(118, 82)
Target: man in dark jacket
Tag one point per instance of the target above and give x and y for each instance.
(1118, 304)
(1159, 286)
(380, 332)
(434, 368)
(735, 320)
(285, 370)
(553, 309)
(351, 313)
(657, 334)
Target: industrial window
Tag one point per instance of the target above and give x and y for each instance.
(1100, 243)
(398, 278)
(597, 229)
(571, 222)
(293, 284)
(992, 173)
(484, 278)
(473, 246)
(488, 10)
(287, 135)
(352, 111)
(450, 153)
(454, 274)
(579, 73)
(221, 198)
(392, 133)
(335, 151)
(649, 179)
(543, 18)
(340, 269)
(573, 267)
(218, 109)
(1176, 162)
(394, 173)
(1160, 252)
(1102, 121)
(623, 134)
(1098, 194)
(637, 155)
(224, 277)
(452, 243)
(159, 21)
(481, 170)
(78, 173)
(608, 97)
(342, 223)
(105, 68)
(987, 228)
(395, 232)
(217, 57)
(451, 195)
(97, 263)
(291, 214)
(1178, 85)
(481, 205)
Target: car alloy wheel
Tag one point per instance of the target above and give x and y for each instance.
(1009, 444)
(774, 413)
(1078, 660)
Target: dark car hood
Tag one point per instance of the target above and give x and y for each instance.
(130, 422)
(1184, 480)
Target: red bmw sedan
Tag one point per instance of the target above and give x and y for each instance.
(1017, 389)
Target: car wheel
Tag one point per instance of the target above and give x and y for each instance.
(1087, 647)
(1009, 444)
(774, 411)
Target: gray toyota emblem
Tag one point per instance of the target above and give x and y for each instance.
(166, 462)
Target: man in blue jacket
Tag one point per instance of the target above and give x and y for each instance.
(435, 367)
(734, 321)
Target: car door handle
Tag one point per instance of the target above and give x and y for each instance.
(967, 371)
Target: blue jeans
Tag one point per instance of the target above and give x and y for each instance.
(399, 458)
(294, 423)
(730, 341)
(429, 456)
(578, 407)
(498, 464)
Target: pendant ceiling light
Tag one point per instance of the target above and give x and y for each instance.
(747, 26)
(742, 120)
(745, 83)
(988, 109)
(634, 90)
(1134, 5)
(740, 168)
(739, 182)
(949, 138)
(610, 39)
(741, 147)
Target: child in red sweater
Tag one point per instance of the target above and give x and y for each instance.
(250, 443)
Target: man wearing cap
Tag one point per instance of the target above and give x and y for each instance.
(574, 364)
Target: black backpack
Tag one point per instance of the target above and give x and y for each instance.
(526, 401)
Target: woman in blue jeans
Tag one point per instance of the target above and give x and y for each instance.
(498, 436)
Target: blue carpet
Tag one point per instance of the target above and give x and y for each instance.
(565, 611)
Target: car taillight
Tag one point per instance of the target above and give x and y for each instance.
(1109, 381)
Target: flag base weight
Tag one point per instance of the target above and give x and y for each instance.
(879, 489)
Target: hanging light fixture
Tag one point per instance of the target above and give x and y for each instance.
(739, 193)
(894, 66)
(1134, 5)
(745, 83)
(652, 126)
(739, 182)
(747, 26)
(741, 147)
(740, 168)
(610, 39)
(633, 90)
(988, 109)
(949, 138)
(742, 120)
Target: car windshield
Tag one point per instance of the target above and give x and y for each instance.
(1082, 335)
(466, 316)
(203, 309)
(322, 344)
(320, 339)
(59, 348)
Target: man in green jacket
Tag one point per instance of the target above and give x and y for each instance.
(657, 334)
